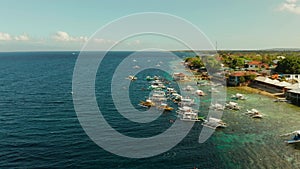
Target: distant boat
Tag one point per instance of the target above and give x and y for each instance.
(149, 78)
(132, 78)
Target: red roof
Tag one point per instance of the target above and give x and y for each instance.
(254, 62)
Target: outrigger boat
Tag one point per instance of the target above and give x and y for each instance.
(214, 123)
(232, 106)
(200, 93)
(189, 116)
(157, 85)
(148, 103)
(186, 102)
(165, 107)
(280, 100)
(132, 78)
(184, 109)
(217, 106)
(149, 78)
(158, 96)
(254, 113)
(295, 137)
(188, 88)
(238, 96)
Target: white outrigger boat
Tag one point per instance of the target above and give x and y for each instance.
(200, 93)
(217, 106)
(238, 96)
(295, 137)
(214, 123)
(188, 88)
(232, 106)
(158, 95)
(280, 100)
(186, 102)
(186, 113)
(254, 113)
(185, 109)
(189, 116)
(157, 85)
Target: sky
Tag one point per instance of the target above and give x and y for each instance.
(33, 25)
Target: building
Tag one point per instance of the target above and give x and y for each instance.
(292, 93)
(292, 77)
(257, 65)
(269, 85)
(294, 96)
(235, 78)
(179, 76)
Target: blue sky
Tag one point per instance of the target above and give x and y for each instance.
(66, 25)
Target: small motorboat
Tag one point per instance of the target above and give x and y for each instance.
(295, 137)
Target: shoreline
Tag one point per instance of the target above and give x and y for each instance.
(256, 91)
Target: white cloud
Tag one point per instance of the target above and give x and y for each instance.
(64, 36)
(8, 37)
(290, 6)
(5, 36)
(104, 41)
(23, 37)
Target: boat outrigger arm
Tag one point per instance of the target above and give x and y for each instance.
(295, 139)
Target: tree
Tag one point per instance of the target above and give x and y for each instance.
(289, 65)
(242, 79)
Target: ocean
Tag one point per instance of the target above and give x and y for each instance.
(40, 128)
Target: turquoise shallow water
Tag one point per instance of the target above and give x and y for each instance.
(40, 129)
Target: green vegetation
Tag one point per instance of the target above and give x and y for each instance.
(289, 65)
(287, 62)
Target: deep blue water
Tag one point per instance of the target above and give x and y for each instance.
(39, 127)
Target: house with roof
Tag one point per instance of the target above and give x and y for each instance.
(235, 78)
(179, 76)
(257, 65)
